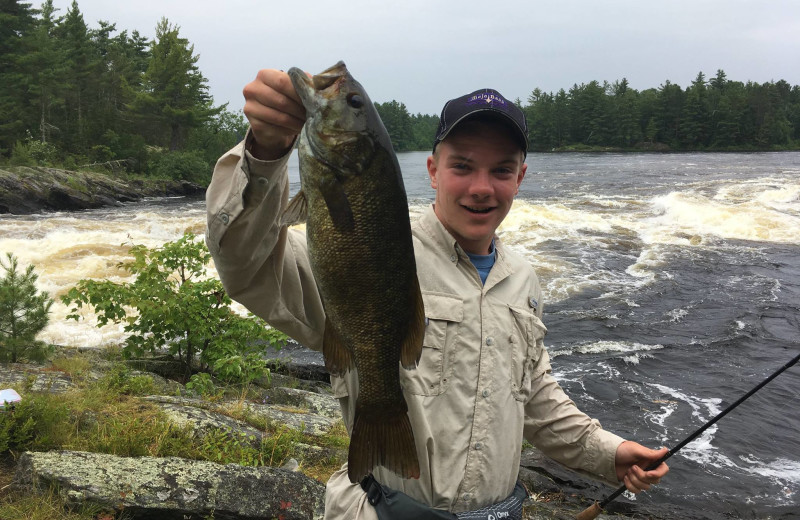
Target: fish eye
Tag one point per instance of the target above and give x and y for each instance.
(355, 101)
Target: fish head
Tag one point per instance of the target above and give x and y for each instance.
(343, 129)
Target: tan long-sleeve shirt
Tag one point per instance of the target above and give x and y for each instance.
(483, 382)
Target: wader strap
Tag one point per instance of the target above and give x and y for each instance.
(508, 509)
(390, 504)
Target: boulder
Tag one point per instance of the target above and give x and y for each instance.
(172, 488)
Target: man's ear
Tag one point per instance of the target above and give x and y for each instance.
(432, 170)
(521, 175)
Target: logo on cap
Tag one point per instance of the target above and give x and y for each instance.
(486, 98)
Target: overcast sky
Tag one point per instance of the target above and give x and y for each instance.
(424, 52)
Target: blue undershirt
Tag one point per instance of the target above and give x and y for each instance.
(484, 263)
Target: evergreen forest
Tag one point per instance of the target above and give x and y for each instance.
(75, 96)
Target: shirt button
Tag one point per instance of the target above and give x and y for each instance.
(466, 496)
(533, 303)
(453, 258)
(263, 181)
(512, 339)
(225, 218)
(485, 393)
(490, 341)
(478, 446)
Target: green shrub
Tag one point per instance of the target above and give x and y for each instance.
(189, 166)
(33, 153)
(171, 304)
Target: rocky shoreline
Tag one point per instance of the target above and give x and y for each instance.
(168, 487)
(24, 190)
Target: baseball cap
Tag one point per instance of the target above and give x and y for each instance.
(483, 101)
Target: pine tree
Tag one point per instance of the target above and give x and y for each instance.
(44, 68)
(16, 22)
(24, 311)
(78, 79)
(695, 114)
(397, 121)
(175, 96)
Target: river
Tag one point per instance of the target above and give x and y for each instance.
(672, 287)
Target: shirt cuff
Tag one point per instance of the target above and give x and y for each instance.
(603, 446)
(260, 167)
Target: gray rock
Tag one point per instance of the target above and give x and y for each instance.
(320, 404)
(294, 418)
(28, 377)
(172, 488)
(26, 190)
(204, 421)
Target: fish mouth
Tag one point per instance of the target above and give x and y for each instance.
(329, 76)
(307, 88)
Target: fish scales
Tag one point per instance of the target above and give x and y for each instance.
(361, 252)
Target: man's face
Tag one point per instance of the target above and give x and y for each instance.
(476, 172)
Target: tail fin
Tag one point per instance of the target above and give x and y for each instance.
(385, 439)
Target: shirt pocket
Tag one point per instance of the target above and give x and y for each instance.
(524, 354)
(443, 314)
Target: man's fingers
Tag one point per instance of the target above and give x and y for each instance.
(273, 89)
(267, 119)
(635, 484)
(637, 479)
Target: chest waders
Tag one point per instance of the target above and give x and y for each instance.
(396, 505)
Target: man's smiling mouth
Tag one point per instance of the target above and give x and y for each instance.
(478, 210)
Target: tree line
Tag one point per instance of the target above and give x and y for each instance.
(71, 95)
(718, 114)
(74, 96)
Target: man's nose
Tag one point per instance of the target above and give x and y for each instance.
(481, 184)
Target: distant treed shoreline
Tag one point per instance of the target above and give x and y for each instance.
(719, 114)
(73, 96)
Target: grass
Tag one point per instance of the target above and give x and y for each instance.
(105, 416)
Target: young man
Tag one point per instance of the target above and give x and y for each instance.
(483, 382)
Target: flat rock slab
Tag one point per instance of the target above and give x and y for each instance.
(36, 378)
(203, 421)
(172, 488)
(321, 404)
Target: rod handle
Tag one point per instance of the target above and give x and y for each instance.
(590, 512)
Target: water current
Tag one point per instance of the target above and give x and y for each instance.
(672, 287)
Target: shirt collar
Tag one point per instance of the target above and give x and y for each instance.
(434, 228)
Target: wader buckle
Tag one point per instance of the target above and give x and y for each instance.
(372, 488)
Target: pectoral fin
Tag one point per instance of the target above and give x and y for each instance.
(297, 210)
(412, 345)
(338, 206)
(338, 358)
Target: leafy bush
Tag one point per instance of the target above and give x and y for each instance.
(171, 304)
(24, 312)
(32, 152)
(189, 166)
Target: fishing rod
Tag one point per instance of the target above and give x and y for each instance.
(595, 509)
